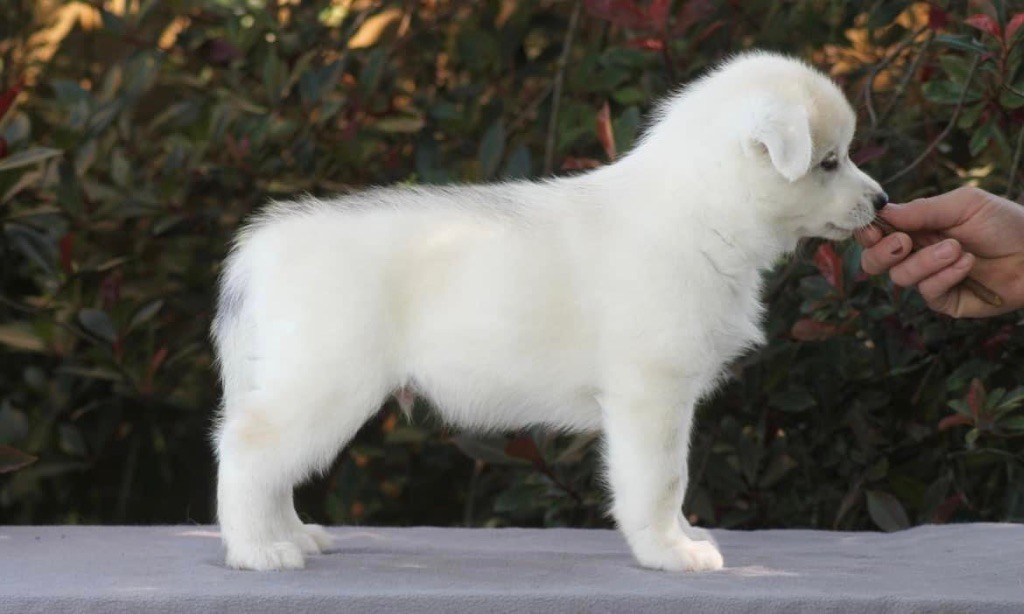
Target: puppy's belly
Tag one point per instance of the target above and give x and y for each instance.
(479, 382)
(487, 404)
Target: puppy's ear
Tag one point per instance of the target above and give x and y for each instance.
(784, 130)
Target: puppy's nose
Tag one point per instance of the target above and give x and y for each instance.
(880, 200)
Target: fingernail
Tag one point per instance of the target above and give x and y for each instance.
(964, 262)
(897, 249)
(945, 251)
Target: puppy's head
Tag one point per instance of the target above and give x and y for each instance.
(795, 130)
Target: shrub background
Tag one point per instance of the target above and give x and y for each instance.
(135, 135)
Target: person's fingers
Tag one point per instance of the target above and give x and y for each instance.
(868, 235)
(885, 254)
(935, 213)
(925, 263)
(938, 290)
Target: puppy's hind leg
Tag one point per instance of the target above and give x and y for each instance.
(264, 449)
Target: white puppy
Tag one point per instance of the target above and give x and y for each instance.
(609, 300)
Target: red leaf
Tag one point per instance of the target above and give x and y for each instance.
(868, 153)
(693, 11)
(1016, 23)
(624, 13)
(955, 420)
(993, 344)
(945, 510)
(7, 98)
(830, 265)
(66, 244)
(579, 164)
(937, 18)
(12, 459)
(985, 24)
(657, 14)
(646, 43)
(813, 330)
(524, 448)
(110, 289)
(604, 131)
(701, 36)
(220, 51)
(158, 359)
(155, 362)
(238, 149)
(976, 397)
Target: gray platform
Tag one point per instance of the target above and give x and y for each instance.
(960, 568)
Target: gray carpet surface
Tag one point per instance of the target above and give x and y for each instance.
(953, 568)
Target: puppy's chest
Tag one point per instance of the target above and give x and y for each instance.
(739, 322)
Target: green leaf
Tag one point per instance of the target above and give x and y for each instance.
(408, 124)
(970, 115)
(1012, 100)
(275, 72)
(12, 459)
(120, 169)
(103, 116)
(486, 449)
(492, 146)
(1015, 423)
(777, 469)
(145, 313)
(445, 111)
(629, 96)
(112, 23)
(625, 128)
(886, 511)
(982, 136)
(964, 42)
(372, 70)
(98, 323)
(576, 450)
(28, 156)
(20, 337)
(16, 127)
(97, 373)
(71, 441)
(885, 13)
(947, 92)
(792, 400)
(406, 434)
(956, 66)
(519, 164)
(521, 498)
(13, 424)
(1012, 400)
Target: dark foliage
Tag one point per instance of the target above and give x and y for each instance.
(136, 134)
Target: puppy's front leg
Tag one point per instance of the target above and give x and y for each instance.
(647, 441)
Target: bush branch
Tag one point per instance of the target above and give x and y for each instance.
(563, 61)
(945, 131)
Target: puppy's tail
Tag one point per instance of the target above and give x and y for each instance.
(231, 331)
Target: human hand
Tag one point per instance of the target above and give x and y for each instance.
(965, 232)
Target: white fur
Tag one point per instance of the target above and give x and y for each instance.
(609, 300)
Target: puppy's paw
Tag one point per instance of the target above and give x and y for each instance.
(271, 556)
(312, 539)
(680, 555)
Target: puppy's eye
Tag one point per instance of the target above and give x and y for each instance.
(830, 163)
